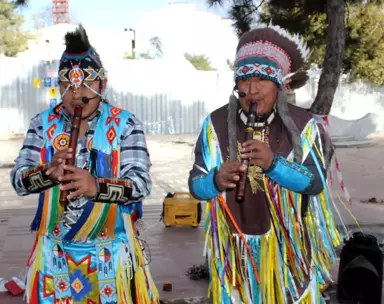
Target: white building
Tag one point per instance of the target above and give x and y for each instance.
(183, 28)
(48, 43)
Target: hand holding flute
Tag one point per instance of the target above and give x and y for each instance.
(240, 188)
(233, 174)
(76, 121)
(66, 156)
(254, 152)
(74, 181)
(56, 168)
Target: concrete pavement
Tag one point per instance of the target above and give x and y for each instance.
(174, 250)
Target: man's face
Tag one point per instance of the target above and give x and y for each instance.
(263, 92)
(73, 97)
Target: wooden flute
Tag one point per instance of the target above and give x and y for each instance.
(75, 130)
(240, 187)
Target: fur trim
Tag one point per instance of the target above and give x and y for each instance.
(232, 127)
(285, 115)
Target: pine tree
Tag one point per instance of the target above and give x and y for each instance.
(323, 25)
(12, 40)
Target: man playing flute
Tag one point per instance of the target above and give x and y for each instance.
(277, 245)
(85, 251)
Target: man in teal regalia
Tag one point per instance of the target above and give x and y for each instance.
(86, 251)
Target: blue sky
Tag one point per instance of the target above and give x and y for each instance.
(110, 14)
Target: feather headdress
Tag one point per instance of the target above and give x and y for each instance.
(271, 52)
(80, 61)
(77, 42)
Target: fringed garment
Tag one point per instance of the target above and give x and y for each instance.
(99, 259)
(288, 257)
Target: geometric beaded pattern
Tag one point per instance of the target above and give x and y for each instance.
(266, 49)
(259, 69)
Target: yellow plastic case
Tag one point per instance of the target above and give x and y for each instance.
(181, 209)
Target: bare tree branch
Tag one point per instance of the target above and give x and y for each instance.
(242, 12)
(157, 46)
(215, 2)
(256, 8)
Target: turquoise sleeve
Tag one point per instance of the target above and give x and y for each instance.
(290, 175)
(204, 187)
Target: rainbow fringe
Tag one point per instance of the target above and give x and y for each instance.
(280, 256)
(95, 217)
(127, 269)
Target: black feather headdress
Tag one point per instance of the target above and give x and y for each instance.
(77, 42)
(79, 48)
(81, 54)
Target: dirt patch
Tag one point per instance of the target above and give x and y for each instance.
(372, 200)
(182, 142)
(198, 272)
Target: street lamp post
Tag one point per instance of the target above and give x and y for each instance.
(48, 44)
(133, 42)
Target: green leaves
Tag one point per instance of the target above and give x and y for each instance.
(364, 54)
(12, 41)
(364, 33)
(200, 62)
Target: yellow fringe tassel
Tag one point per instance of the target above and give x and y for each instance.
(142, 295)
(123, 286)
(143, 279)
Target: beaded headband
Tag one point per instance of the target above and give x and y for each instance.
(268, 53)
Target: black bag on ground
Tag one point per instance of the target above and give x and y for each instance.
(360, 278)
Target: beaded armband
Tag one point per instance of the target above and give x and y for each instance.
(112, 190)
(35, 180)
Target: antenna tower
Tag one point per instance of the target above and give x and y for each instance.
(60, 11)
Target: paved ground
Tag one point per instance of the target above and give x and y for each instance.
(174, 250)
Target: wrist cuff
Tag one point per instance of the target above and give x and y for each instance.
(273, 164)
(112, 190)
(35, 180)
